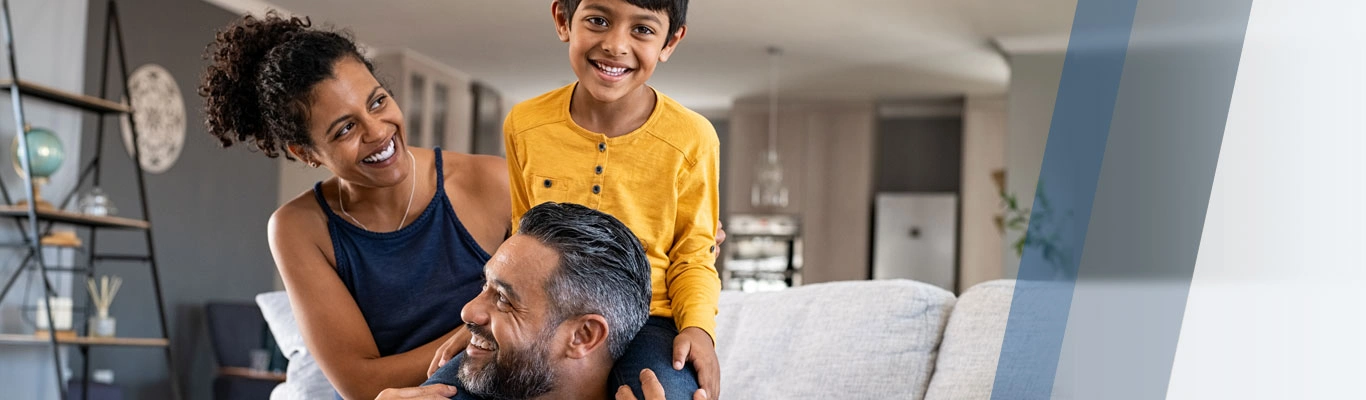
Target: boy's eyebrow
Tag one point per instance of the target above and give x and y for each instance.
(639, 16)
(649, 17)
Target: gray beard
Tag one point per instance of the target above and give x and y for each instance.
(512, 374)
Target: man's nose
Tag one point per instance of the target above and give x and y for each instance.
(475, 312)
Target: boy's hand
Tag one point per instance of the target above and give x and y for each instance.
(720, 234)
(695, 345)
(652, 388)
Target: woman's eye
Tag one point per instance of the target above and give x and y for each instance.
(379, 102)
(346, 128)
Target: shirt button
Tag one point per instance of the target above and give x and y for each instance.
(602, 147)
(713, 248)
(597, 189)
(598, 170)
(547, 183)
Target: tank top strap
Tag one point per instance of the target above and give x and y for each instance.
(322, 201)
(440, 173)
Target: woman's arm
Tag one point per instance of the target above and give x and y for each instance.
(329, 319)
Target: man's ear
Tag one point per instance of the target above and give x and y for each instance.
(673, 43)
(561, 20)
(588, 335)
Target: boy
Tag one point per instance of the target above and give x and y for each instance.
(612, 143)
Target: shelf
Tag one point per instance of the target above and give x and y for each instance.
(89, 103)
(782, 236)
(84, 341)
(252, 374)
(75, 218)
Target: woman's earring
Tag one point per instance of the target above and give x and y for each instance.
(313, 164)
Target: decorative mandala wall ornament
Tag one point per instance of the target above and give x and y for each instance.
(159, 111)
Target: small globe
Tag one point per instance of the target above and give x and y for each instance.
(44, 150)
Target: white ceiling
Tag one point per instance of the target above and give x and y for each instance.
(850, 49)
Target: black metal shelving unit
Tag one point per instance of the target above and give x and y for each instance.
(29, 217)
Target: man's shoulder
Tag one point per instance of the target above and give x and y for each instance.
(539, 111)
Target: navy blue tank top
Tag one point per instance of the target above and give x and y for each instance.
(411, 283)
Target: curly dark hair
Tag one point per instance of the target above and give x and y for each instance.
(260, 77)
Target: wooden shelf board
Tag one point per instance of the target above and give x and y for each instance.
(251, 373)
(82, 101)
(75, 218)
(84, 340)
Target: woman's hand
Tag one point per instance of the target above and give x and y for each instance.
(448, 350)
(433, 392)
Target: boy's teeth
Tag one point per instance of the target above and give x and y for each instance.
(611, 70)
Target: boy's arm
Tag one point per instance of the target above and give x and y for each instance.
(691, 279)
(520, 199)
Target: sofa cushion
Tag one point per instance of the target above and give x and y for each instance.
(842, 340)
(303, 378)
(966, 368)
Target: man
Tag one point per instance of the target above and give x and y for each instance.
(562, 300)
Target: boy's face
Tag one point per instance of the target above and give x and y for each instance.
(614, 45)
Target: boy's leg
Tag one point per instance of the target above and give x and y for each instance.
(447, 375)
(653, 348)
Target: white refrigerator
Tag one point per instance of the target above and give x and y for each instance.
(916, 237)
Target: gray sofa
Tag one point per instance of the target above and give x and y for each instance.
(892, 339)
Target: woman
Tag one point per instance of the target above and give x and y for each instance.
(379, 259)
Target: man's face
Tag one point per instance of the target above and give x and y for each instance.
(508, 356)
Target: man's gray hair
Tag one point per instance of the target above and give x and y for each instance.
(603, 269)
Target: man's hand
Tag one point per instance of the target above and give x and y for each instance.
(433, 392)
(652, 388)
(448, 350)
(695, 345)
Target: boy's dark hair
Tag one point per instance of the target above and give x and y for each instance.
(677, 10)
(260, 76)
(603, 269)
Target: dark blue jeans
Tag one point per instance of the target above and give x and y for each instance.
(652, 348)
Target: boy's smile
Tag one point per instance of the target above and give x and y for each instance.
(614, 46)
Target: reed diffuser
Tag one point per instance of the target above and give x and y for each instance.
(102, 294)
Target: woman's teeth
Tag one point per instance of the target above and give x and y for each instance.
(382, 155)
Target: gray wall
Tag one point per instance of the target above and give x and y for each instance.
(1029, 107)
(921, 154)
(208, 211)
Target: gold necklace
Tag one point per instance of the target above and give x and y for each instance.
(413, 190)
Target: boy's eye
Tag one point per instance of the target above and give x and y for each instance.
(599, 21)
(644, 30)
